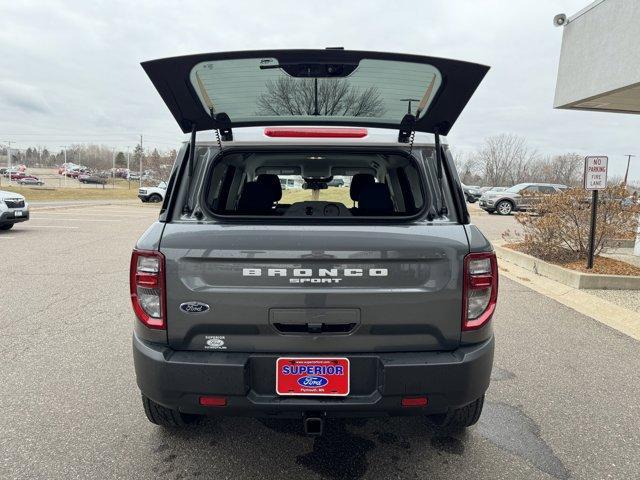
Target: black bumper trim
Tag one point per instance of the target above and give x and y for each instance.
(9, 217)
(176, 379)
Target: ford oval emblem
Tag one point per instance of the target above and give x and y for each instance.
(312, 381)
(194, 307)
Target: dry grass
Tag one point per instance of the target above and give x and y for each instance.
(331, 194)
(89, 192)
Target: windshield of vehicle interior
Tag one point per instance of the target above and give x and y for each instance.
(315, 185)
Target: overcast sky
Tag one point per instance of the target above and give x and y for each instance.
(71, 73)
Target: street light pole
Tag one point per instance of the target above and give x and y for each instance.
(141, 152)
(128, 168)
(9, 162)
(64, 147)
(626, 174)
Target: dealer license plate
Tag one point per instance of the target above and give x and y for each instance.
(312, 376)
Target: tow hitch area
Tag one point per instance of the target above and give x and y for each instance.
(313, 424)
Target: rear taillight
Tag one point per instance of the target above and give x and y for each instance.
(480, 291)
(315, 132)
(146, 283)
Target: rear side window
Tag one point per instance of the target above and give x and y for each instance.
(314, 185)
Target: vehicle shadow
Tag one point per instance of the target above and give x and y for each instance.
(274, 448)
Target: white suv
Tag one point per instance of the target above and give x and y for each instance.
(13, 209)
(153, 194)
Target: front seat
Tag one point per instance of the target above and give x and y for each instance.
(273, 183)
(358, 182)
(375, 200)
(256, 199)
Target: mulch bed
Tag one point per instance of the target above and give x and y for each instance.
(601, 265)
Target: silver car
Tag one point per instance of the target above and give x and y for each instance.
(517, 198)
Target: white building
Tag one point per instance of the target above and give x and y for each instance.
(600, 58)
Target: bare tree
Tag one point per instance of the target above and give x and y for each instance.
(296, 96)
(468, 167)
(506, 160)
(565, 169)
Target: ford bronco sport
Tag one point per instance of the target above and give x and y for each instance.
(308, 303)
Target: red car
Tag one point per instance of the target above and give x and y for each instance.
(20, 175)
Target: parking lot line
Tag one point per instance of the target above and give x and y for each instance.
(93, 213)
(76, 219)
(48, 226)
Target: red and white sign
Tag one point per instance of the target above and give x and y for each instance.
(312, 376)
(595, 173)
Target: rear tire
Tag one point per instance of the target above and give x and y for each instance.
(460, 418)
(8, 226)
(167, 417)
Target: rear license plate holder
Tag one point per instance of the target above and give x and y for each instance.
(325, 377)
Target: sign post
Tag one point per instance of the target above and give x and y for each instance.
(595, 179)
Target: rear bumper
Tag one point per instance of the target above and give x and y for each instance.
(176, 379)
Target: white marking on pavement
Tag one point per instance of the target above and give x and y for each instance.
(48, 226)
(75, 219)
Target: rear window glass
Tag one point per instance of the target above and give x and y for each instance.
(378, 91)
(314, 185)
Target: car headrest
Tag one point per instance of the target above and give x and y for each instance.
(273, 182)
(256, 198)
(375, 199)
(358, 182)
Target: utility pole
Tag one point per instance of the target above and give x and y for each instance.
(64, 147)
(8, 165)
(141, 153)
(128, 168)
(626, 174)
(113, 166)
(9, 161)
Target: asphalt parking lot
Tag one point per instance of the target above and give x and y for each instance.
(563, 402)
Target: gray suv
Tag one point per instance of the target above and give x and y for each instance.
(375, 299)
(517, 198)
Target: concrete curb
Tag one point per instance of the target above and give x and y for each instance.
(620, 243)
(568, 277)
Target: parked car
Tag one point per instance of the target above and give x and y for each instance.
(517, 198)
(153, 194)
(30, 181)
(19, 176)
(336, 182)
(483, 190)
(96, 179)
(314, 309)
(472, 193)
(13, 209)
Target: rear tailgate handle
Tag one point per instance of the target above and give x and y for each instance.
(297, 321)
(314, 328)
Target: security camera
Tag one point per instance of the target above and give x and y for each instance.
(559, 20)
